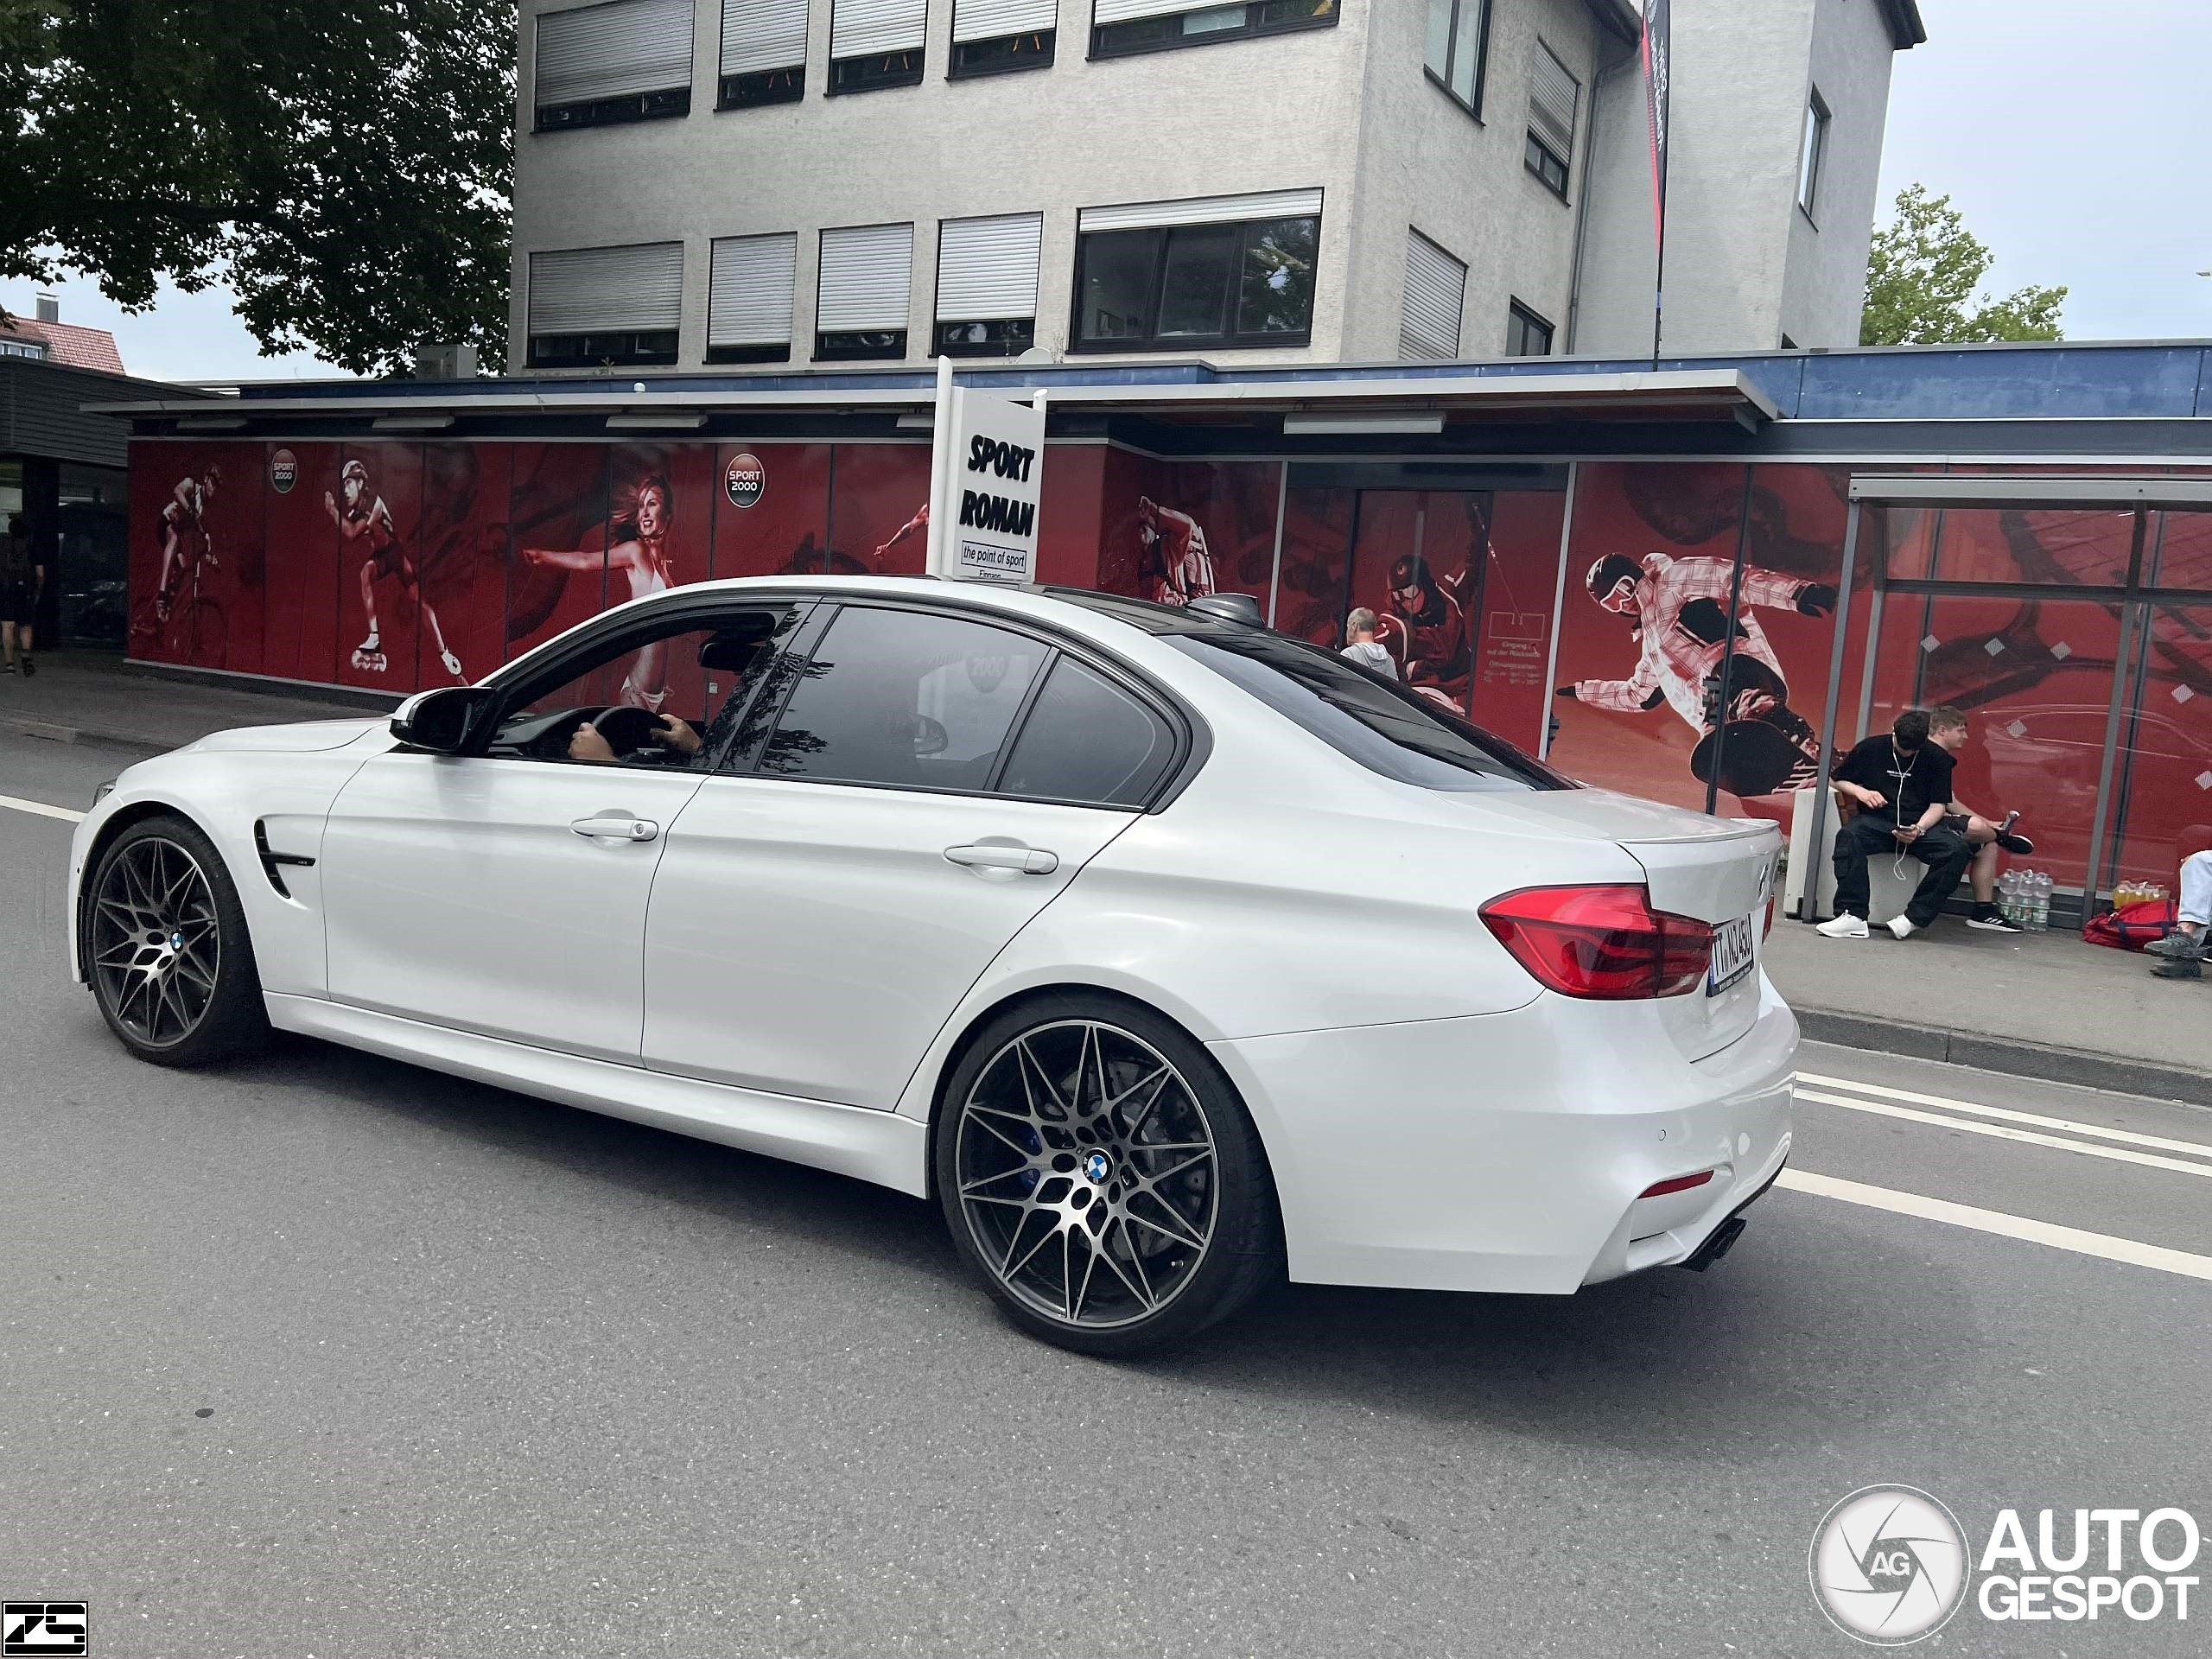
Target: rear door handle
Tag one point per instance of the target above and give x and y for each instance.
(615, 829)
(1023, 860)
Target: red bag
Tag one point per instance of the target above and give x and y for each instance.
(2130, 927)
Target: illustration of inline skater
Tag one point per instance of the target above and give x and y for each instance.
(638, 549)
(917, 525)
(1680, 608)
(364, 517)
(185, 542)
(1177, 563)
(1424, 629)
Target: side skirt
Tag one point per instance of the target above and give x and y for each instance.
(870, 1145)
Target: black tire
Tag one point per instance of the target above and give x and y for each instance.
(1051, 1131)
(166, 948)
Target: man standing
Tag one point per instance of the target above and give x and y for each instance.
(1361, 647)
(1947, 730)
(1902, 784)
(21, 579)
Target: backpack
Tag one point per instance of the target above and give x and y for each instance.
(2130, 927)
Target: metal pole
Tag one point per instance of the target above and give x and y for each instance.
(1808, 907)
(1559, 603)
(1728, 648)
(1274, 570)
(940, 470)
(2129, 612)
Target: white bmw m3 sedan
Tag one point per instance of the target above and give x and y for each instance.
(1166, 953)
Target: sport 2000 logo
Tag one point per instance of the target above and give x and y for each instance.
(1890, 1565)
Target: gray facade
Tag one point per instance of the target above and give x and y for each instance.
(1346, 110)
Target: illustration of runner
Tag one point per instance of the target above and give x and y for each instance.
(641, 554)
(1425, 628)
(184, 536)
(1682, 611)
(366, 517)
(1177, 563)
(917, 525)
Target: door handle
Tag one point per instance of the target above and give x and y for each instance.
(1022, 860)
(615, 829)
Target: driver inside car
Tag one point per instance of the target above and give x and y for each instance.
(675, 737)
(737, 650)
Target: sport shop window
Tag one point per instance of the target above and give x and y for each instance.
(987, 285)
(1119, 27)
(626, 61)
(764, 53)
(1459, 44)
(876, 43)
(864, 292)
(1527, 334)
(751, 282)
(1436, 294)
(1175, 276)
(995, 37)
(1554, 103)
(591, 308)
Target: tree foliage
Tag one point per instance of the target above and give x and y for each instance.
(345, 164)
(1922, 277)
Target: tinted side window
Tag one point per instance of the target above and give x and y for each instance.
(1087, 740)
(903, 698)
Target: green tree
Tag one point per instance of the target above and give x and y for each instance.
(345, 164)
(1921, 281)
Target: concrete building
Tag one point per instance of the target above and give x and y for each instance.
(717, 181)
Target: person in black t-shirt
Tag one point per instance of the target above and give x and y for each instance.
(1902, 784)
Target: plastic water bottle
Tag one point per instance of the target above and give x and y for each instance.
(2008, 895)
(2042, 886)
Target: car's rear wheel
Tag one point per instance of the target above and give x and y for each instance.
(166, 946)
(1102, 1177)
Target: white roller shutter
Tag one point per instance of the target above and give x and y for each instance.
(1129, 11)
(987, 20)
(1555, 97)
(750, 284)
(597, 290)
(862, 28)
(614, 51)
(987, 268)
(1436, 294)
(1202, 210)
(867, 277)
(763, 35)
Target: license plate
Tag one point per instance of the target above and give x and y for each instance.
(1732, 954)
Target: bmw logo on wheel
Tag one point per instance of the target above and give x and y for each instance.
(1095, 1167)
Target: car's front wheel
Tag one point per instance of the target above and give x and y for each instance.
(1101, 1176)
(165, 943)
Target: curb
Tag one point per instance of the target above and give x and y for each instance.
(2009, 1055)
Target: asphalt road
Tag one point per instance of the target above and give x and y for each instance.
(326, 1356)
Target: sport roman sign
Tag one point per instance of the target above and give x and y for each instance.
(989, 478)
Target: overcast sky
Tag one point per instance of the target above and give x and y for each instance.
(2077, 137)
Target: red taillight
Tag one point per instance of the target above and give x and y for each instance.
(1679, 1183)
(1605, 944)
(1768, 929)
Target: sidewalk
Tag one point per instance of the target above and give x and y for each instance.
(94, 696)
(2039, 1005)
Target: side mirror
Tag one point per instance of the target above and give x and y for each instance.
(447, 720)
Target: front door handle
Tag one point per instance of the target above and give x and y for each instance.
(1022, 860)
(616, 828)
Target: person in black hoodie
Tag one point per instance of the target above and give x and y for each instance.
(1901, 783)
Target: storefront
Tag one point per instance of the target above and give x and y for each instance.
(1643, 574)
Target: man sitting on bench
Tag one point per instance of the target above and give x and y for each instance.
(1901, 785)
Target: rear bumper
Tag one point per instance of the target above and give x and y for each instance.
(1508, 1152)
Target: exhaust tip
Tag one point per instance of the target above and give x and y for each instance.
(1722, 1240)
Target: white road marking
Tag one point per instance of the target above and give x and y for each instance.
(41, 809)
(2122, 1154)
(2202, 1149)
(2102, 1245)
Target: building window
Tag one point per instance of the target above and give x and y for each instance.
(864, 292)
(626, 60)
(1815, 154)
(602, 307)
(764, 53)
(1554, 103)
(997, 37)
(1119, 27)
(750, 283)
(876, 43)
(987, 285)
(1527, 334)
(21, 348)
(1436, 293)
(1458, 42)
(1176, 276)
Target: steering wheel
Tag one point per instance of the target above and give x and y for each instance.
(627, 728)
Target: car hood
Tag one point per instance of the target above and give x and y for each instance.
(304, 737)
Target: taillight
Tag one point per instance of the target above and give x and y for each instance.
(1604, 944)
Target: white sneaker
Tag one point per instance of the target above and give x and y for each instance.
(1844, 927)
(1902, 928)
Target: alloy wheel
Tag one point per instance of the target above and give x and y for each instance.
(157, 945)
(1089, 1176)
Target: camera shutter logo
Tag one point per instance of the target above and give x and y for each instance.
(283, 471)
(744, 480)
(1889, 1564)
(41, 1630)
